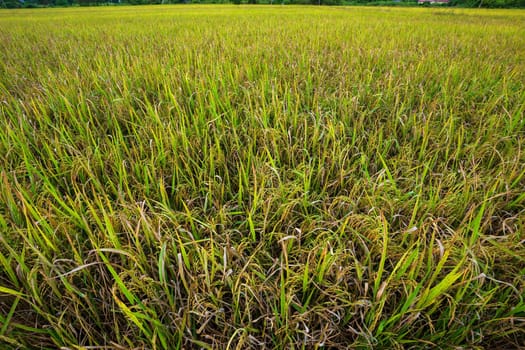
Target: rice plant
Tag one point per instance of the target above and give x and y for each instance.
(224, 177)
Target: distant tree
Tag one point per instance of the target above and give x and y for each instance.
(326, 2)
(488, 3)
(11, 4)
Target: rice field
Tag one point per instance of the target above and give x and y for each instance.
(253, 177)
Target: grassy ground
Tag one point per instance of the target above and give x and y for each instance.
(262, 177)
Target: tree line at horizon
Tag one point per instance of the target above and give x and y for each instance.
(67, 3)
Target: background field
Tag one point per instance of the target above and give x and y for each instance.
(262, 177)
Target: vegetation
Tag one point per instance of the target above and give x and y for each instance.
(397, 3)
(262, 177)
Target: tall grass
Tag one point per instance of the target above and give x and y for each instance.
(262, 177)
